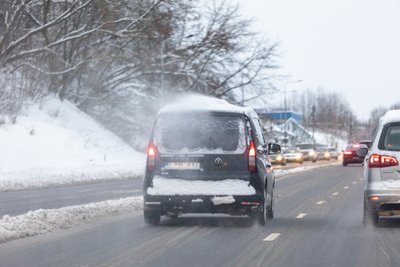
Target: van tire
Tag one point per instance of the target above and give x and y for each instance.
(262, 215)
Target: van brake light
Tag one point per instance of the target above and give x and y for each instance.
(252, 157)
(151, 157)
(382, 161)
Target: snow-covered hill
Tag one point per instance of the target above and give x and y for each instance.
(55, 143)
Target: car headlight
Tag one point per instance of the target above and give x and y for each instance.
(311, 153)
(327, 155)
(298, 156)
(279, 158)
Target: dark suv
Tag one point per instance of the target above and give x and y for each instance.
(208, 160)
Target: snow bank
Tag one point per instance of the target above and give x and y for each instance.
(167, 186)
(44, 221)
(55, 143)
(50, 177)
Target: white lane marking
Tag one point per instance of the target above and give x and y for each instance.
(271, 237)
(354, 182)
(346, 187)
(335, 194)
(321, 202)
(301, 215)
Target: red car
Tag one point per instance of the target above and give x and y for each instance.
(350, 154)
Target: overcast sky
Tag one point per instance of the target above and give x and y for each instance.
(350, 46)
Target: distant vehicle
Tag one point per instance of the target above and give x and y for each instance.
(333, 152)
(350, 155)
(294, 155)
(208, 160)
(309, 152)
(278, 159)
(323, 153)
(365, 142)
(381, 170)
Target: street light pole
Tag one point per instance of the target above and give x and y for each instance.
(285, 105)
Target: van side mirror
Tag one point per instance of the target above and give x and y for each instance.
(274, 148)
(362, 152)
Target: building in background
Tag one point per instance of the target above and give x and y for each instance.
(284, 127)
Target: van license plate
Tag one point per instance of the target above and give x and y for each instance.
(182, 166)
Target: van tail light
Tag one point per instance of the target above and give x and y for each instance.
(348, 152)
(151, 157)
(382, 161)
(252, 158)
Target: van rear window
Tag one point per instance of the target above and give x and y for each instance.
(200, 133)
(390, 139)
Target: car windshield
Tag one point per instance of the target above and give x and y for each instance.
(290, 151)
(213, 133)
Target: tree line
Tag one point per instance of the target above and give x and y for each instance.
(327, 111)
(119, 60)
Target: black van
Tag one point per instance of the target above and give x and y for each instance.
(208, 160)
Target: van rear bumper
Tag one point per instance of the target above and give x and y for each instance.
(234, 205)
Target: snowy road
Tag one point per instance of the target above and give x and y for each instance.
(318, 223)
(19, 202)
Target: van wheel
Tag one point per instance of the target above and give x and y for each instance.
(152, 217)
(370, 216)
(262, 215)
(267, 209)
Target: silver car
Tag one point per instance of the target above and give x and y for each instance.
(382, 170)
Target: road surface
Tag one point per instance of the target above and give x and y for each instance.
(318, 223)
(19, 202)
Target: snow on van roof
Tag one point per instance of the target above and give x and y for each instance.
(201, 103)
(390, 116)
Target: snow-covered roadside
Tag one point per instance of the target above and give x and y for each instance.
(54, 143)
(45, 221)
(283, 172)
(44, 178)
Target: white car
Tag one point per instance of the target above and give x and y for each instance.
(293, 155)
(382, 170)
(333, 152)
